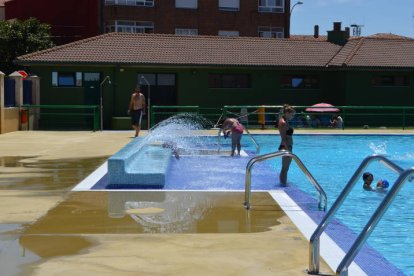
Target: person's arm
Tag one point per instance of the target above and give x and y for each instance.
(131, 104)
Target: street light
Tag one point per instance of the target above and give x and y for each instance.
(149, 101)
(107, 78)
(297, 3)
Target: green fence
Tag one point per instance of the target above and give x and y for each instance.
(63, 117)
(267, 116)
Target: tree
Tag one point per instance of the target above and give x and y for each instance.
(19, 38)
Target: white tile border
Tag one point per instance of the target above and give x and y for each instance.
(330, 251)
(92, 179)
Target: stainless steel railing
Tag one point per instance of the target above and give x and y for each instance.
(314, 244)
(282, 153)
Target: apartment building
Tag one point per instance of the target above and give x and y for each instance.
(254, 18)
(77, 19)
(2, 9)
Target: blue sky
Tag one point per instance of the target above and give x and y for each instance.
(376, 16)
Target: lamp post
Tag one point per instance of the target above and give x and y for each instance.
(291, 10)
(297, 3)
(107, 78)
(149, 101)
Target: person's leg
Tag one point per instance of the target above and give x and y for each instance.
(285, 168)
(233, 142)
(238, 143)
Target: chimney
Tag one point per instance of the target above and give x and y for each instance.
(316, 31)
(337, 36)
(337, 26)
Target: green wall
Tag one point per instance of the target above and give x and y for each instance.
(336, 87)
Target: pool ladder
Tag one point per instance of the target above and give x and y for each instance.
(314, 244)
(281, 153)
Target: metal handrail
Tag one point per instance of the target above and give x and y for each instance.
(314, 243)
(248, 133)
(254, 141)
(282, 153)
(372, 223)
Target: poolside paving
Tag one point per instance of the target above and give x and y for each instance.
(49, 230)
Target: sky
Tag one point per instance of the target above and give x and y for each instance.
(376, 16)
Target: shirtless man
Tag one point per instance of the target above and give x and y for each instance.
(136, 110)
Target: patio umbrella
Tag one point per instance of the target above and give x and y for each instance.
(322, 107)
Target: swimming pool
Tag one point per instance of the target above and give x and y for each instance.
(332, 159)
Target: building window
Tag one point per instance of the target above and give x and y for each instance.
(390, 81)
(67, 79)
(228, 33)
(186, 31)
(300, 82)
(143, 3)
(272, 6)
(228, 81)
(186, 4)
(229, 5)
(132, 27)
(156, 79)
(271, 32)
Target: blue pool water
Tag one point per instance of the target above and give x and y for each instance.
(332, 160)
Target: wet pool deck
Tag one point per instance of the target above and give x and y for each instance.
(45, 229)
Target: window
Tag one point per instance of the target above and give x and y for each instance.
(300, 82)
(92, 77)
(228, 81)
(67, 79)
(229, 5)
(156, 79)
(186, 4)
(390, 81)
(143, 3)
(271, 6)
(186, 31)
(271, 32)
(228, 33)
(132, 27)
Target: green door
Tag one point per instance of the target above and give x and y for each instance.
(91, 85)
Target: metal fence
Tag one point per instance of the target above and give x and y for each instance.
(62, 117)
(267, 116)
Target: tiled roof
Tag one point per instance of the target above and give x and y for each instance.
(158, 49)
(381, 50)
(377, 51)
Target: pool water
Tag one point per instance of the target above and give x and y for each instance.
(333, 159)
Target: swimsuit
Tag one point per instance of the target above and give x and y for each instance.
(136, 116)
(289, 132)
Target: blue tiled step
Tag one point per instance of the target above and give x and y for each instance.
(139, 166)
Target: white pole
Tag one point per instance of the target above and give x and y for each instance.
(149, 102)
(101, 98)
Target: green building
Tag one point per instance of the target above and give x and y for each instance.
(212, 71)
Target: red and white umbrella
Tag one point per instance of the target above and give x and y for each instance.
(322, 107)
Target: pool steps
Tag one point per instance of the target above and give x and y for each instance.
(143, 167)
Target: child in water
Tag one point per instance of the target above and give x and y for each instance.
(368, 177)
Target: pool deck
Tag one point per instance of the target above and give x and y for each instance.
(282, 250)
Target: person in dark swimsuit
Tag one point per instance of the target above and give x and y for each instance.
(286, 140)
